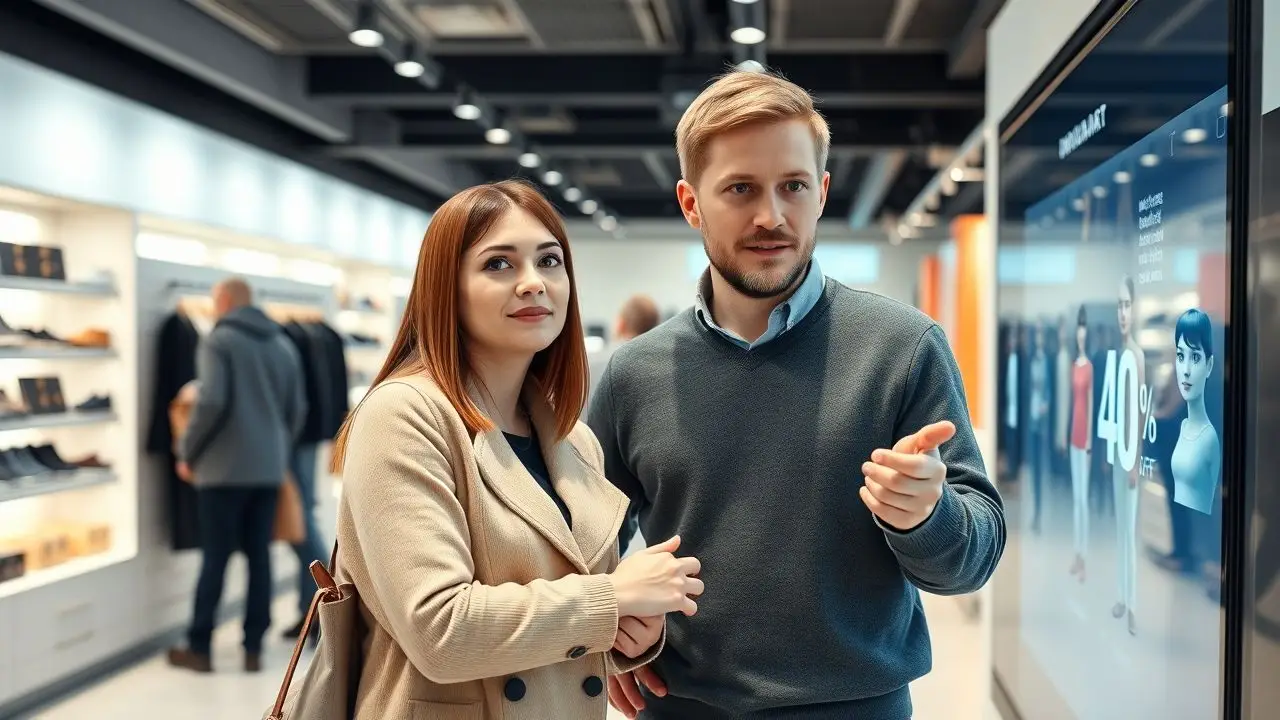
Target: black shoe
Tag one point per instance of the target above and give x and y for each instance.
(95, 403)
(22, 462)
(47, 456)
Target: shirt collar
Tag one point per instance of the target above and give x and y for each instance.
(794, 308)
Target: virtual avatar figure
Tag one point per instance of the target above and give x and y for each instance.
(1125, 482)
(1080, 443)
(1198, 454)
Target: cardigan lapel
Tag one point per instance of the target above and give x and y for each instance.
(596, 507)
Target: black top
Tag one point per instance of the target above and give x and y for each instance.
(530, 453)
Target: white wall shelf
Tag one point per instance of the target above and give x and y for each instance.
(71, 418)
(55, 353)
(54, 483)
(8, 282)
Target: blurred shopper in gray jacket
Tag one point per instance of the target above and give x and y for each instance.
(250, 410)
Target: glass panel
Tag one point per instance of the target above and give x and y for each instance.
(1112, 297)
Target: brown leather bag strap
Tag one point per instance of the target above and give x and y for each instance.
(333, 560)
(326, 589)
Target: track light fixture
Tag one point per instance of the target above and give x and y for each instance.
(366, 33)
(410, 64)
(747, 23)
(466, 107)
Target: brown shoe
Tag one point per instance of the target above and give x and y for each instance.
(252, 662)
(91, 338)
(187, 659)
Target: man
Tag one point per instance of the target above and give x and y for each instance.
(809, 443)
(639, 315)
(249, 412)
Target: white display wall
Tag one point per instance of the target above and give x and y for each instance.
(78, 614)
(69, 139)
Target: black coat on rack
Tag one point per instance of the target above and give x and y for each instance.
(175, 366)
(324, 369)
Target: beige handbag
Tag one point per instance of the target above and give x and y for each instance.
(327, 690)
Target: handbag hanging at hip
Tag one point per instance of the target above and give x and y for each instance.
(327, 689)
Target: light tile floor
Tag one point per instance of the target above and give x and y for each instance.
(153, 691)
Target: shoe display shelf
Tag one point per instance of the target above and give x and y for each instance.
(68, 422)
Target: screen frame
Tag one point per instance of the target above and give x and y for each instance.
(1243, 91)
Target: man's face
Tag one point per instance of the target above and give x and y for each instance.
(757, 205)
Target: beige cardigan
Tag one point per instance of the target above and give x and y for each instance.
(481, 602)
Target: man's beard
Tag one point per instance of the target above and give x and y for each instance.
(760, 285)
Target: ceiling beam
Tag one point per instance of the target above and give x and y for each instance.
(442, 176)
(968, 54)
(876, 181)
(411, 99)
(549, 76)
(658, 169)
(577, 150)
(899, 21)
(182, 36)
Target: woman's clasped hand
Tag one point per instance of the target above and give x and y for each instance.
(654, 582)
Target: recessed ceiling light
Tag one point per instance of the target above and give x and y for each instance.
(1149, 160)
(466, 111)
(589, 206)
(748, 35)
(572, 194)
(498, 135)
(609, 223)
(530, 160)
(1194, 135)
(1121, 177)
(552, 177)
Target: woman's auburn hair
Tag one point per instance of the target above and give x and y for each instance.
(430, 339)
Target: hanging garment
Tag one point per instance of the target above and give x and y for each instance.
(175, 366)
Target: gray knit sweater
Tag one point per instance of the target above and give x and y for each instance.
(754, 458)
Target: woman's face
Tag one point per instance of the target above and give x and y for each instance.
(513, 289)
(1192, 368)
(1124, 310)
(1082, 338)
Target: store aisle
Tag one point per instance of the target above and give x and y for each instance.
(153, 691)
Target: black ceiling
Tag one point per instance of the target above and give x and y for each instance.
(593, 86)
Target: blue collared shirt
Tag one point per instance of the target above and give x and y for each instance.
(785, 316)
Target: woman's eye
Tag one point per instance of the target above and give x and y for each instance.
(496, 264)
(552, 261)
(1195, 358)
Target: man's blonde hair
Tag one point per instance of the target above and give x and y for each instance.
(739, 98)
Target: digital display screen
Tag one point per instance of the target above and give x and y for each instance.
(1113, 300)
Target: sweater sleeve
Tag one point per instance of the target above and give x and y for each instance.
(422, 584)
(603, 421)
(956, 550)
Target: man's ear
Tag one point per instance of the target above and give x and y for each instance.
(688, 204)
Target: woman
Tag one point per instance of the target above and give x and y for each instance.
(1198, 454)
(475, 521)
(1125, 482)
(1080, 442)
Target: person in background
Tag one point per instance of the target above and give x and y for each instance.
(1037, 422)
(811, 444)
(246, 419)
(475, 521)
(639, 315)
